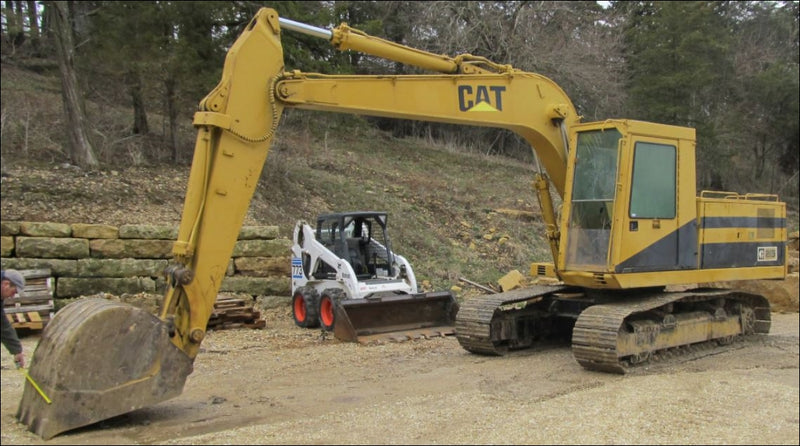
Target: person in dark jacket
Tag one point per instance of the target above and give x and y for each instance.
(11, 283)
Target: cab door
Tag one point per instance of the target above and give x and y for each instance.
(650, 236)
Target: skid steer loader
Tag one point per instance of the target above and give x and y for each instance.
(347, 279)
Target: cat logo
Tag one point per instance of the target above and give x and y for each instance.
(482, 98)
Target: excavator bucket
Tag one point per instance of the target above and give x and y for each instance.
(395, 317)
(98, 359)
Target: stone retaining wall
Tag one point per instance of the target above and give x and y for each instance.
(87, 259)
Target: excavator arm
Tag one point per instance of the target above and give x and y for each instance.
(236, 123)
(98, 359)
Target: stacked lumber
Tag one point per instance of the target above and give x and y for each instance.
(231, 312)
(33, 308)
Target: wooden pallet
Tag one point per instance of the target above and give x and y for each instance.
(33, 308)
(230, 312)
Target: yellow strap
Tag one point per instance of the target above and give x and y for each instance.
(36, 386)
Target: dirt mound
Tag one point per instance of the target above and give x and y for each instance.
(782, 294)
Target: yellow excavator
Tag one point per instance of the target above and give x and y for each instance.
(630, 226)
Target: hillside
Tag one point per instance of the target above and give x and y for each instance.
(449, 210)
(441, 220)
(440, 201)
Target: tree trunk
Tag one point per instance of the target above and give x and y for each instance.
(19, 14)
(81, 150)
(172, 114)
(33, 19)
(134, 81)
(45, 30)
(14, 36)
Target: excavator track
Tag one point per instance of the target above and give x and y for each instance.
(479, 327)
(473, 324)
(611, 333)
(614, 337)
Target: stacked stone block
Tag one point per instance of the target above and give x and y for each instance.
(87, 259)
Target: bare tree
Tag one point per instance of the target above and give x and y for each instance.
(133, 80)
(13, 35)
(81, 150)
(33, 24)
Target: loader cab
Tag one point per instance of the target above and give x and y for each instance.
(630, 203)
(361, 239)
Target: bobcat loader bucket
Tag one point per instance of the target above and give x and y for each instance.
(395, 317)
(98, 359)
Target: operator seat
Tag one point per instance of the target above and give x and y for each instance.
(357, 260)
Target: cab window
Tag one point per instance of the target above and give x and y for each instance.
(653, 189)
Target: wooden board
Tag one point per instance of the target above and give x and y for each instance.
(231, 312)
(33, 308)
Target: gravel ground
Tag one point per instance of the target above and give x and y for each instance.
(286, 385)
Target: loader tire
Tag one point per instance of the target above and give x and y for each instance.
(305, 307)
(327, 304)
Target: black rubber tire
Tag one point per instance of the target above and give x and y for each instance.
(305, 307)
(326, 308)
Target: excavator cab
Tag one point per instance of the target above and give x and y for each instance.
(592, 205)
(632, 217)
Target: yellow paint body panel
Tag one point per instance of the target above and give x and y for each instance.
(454, 99)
